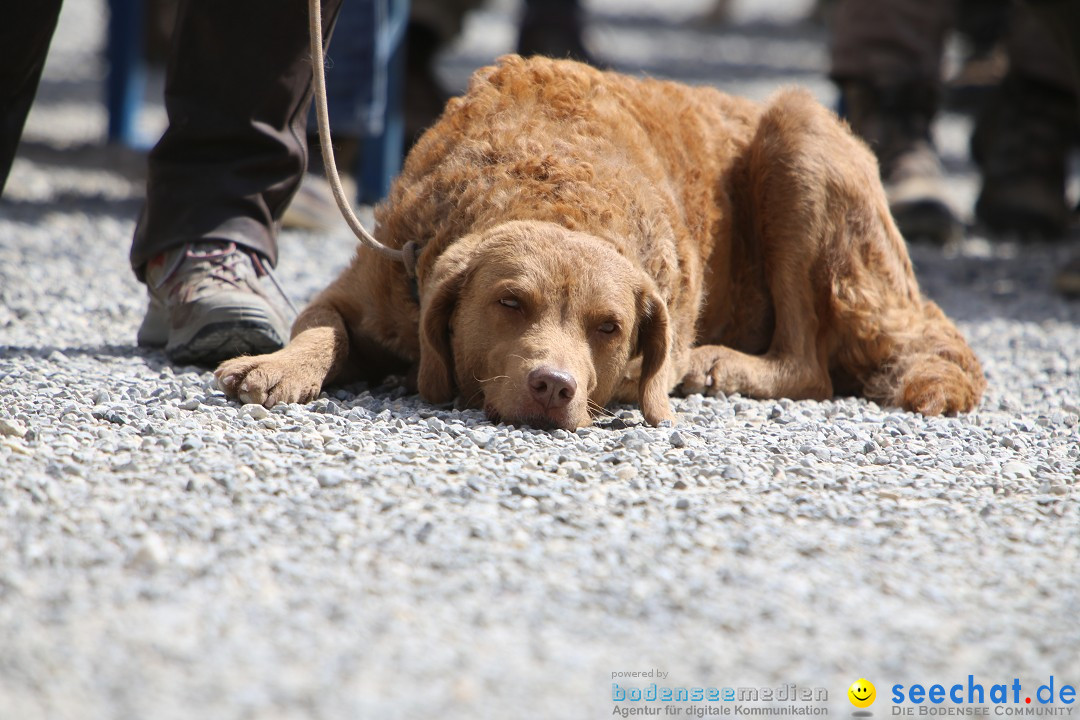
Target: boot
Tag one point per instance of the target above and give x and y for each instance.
(895, 122)
(1021, 144)
(553, 28)
(1067, 280)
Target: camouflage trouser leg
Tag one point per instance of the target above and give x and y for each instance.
(1044, 44)
(890, 42)
(901, 41)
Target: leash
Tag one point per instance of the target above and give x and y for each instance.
(409, 252)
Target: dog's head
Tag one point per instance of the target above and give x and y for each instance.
(537, 324)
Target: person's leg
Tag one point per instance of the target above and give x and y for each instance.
(442, 18)
(356, 96)
(1062, 19)
(237, 91)
(238, 87)
(553, 28)
(889, 42)
(1024, 134)
(432, 24)
(24, 42)
(886, 59)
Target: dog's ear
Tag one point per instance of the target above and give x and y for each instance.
(654, 346)
(435, 376)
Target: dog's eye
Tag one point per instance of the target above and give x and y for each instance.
(512, 303)
(607, 328)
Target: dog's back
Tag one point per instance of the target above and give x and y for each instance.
(641, 163)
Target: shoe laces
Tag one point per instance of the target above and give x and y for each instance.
(221, 263)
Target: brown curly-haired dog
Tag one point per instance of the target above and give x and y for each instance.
(590, 237)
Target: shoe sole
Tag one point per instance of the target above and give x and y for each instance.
(1025, 224)
(216, 342)
(927, 220)
(1068, 284)
(232, 327)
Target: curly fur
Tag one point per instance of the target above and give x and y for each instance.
(733, 246)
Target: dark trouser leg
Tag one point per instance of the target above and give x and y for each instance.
(886, 58)
(1023, 136)
(889, 42)
(237, 91)
(24, 42)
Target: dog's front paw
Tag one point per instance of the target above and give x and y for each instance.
(268, 380)
(713, 370)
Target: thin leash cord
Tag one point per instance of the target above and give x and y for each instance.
(407, 255)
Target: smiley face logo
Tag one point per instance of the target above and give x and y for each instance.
(862, 693)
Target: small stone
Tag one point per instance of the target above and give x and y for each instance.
(116, 415)
(152, 553)
(330, 478)
(10, 427)
(191, 404)
(424, 532)
(16, 445)
(254, 411)
(679, 485)
(357, 414)
(436, 424)
(682, 504)
(677, 440)
(481, 438)
(1017, 469)
(191, 442)
(101, 397)
(732, 472)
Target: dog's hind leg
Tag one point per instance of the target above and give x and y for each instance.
(846, 298)
(928, 367)
(786, 199)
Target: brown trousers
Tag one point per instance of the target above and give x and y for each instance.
(237, 93)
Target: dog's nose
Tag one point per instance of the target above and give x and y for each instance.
(552, 388)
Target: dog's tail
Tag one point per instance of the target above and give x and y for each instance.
(929, 368)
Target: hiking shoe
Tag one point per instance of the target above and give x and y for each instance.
(212, 301)
(895, 123)
(1067, 281)
(1021, 143)
(915, 188)
(313, 207)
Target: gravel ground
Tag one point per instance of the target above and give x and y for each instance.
(167, 554)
